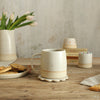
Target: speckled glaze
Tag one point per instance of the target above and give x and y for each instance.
(7, 45)
(69, 43)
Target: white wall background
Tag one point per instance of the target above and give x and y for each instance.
(57, 19)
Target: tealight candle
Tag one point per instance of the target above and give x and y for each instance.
(85, 60)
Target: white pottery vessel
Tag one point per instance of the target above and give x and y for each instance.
(69, 43)
(85, 60)
(53, 64)
(7, 46)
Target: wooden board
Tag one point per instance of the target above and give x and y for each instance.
(31, 88)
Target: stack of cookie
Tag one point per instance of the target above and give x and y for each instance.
(12, 69)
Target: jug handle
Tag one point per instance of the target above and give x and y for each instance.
(33, 57)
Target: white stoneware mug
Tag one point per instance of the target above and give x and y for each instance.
(69, 43)
(53, 65)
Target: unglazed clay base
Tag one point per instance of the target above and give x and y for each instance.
(52, 80)
(70, 46)
(53, 74)
(85, 65)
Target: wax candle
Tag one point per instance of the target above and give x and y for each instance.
(85, 60)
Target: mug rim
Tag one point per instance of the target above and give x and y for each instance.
(53, 50)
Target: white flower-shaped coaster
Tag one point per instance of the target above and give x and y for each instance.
(52, 80)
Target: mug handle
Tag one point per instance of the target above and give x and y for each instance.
(33, 57)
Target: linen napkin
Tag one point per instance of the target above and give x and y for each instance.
(91, 81)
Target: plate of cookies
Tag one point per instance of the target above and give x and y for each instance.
(13, 71)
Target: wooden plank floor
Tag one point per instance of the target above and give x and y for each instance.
(31, 88)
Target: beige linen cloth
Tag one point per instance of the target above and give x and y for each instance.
(91, 81)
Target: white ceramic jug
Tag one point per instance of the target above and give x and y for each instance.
(7, 46)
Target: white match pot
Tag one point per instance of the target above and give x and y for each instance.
(85, 60)
(53, 64)
(7, 45)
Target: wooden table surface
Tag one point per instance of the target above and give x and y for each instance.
(31, 88)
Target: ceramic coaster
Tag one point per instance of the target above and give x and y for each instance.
(52, 80)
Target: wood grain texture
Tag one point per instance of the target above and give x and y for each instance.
(36, 61)
(31, 88)
(58, 19)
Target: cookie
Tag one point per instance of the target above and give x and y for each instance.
(9, 72)
(18, 67)
(2, 67)
(5, 69)
(95, 88)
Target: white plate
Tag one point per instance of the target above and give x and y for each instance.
(17, 75)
